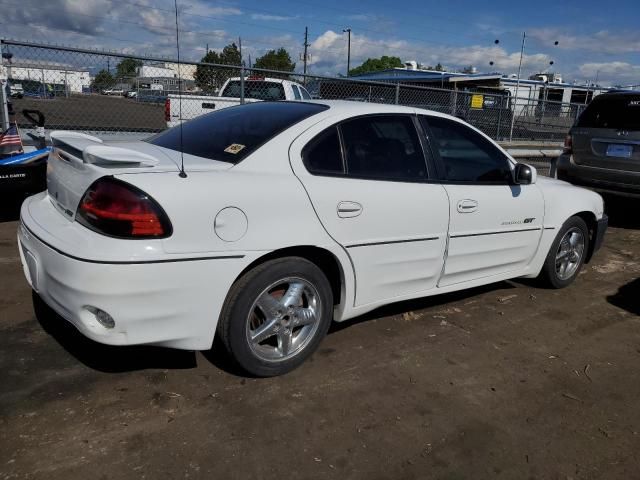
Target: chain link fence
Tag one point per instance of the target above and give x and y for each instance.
(109, 93)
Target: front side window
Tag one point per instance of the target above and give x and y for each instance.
(466, 155)
(384, 147)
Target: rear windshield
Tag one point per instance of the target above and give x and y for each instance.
(231, 134)
(621, 112)
(255, 89)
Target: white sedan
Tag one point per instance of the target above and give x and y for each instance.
(285, 217)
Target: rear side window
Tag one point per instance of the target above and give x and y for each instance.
(323, 154)
(466, 155)
(296, 92)
(384, 147)
(620, 112)
(260, 90)
(230, 134)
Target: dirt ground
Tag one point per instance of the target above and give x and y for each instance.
(509, 381)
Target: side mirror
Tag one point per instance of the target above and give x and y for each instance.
(525, 174)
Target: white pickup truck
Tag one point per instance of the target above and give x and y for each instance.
(255, 89)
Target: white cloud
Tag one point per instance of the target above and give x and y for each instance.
(201, 8)
(271, 18)
(616, 72)
(330, 49)
(156, 21)
(329, 54)
(596, 42)
(65, 14)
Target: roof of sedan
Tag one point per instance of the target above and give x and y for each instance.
(351, 107)
(362, 107)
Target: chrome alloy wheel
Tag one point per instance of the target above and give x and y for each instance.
(283, 319)
(569, 254)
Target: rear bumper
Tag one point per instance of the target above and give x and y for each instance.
(167, 302)
(605, 180)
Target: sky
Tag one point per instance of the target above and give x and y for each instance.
(594, 39)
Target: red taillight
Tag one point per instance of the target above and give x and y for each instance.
(118, 209)
(167, 110)
(568, 144)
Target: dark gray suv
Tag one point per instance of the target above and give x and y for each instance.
(602, 149)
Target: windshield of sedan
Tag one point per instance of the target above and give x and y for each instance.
(231, 134)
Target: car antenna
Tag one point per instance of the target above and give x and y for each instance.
(182, 173)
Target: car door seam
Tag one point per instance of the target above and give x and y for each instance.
(446, 239)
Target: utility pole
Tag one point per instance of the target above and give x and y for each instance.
(5, 90)
(241, 72)
(306, 45)
(348, 32)
(513, 114)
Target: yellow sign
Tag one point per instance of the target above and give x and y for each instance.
(477, 101)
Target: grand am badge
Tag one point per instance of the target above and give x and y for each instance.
(519, 222)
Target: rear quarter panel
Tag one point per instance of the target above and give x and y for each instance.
(277, 209)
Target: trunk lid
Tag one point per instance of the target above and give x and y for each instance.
(77, 160)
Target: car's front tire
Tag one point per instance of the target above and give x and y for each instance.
(567, 254)
(276, 315)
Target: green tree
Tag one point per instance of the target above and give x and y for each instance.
(276, 60)
(210, 78)
(230, 55)
(127, 68)
(102, 80)
(376, 65)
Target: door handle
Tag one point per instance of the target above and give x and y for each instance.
(349, 209)
(467, 206)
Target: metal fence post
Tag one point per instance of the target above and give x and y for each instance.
(454, 99)
(499, 117)
(241, 73)
(397, 93)
(5, 107)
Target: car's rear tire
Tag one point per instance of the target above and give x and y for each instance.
(567, 254)
(276, 315)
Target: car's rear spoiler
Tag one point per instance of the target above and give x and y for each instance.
(90, 149)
